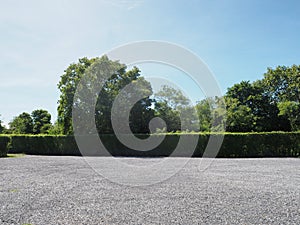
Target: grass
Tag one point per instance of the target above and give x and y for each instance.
(15, 155)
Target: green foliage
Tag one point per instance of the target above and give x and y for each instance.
(94, 69)
(212, 114)
(36, 123)
(41, 121)
(272, 144)
(169, 115)
(251, 107)
(43, 145)
(291, 110)
(4, 141)
(175, 109)
(22, 124)
(270, 104)
(204, 111)
(55, 129)
(173, 97)
(239, 117)
(141, 112)
(67, 86)
(1, 127)
(284, 83)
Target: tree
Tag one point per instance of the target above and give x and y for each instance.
(97, 69)
(1, 127)
(175, 109)
(204, 111)
(284, 84)
(67, 86)
(291, 110)
(55, 129)
(212, 114)
(22, 124)
(41, 121)
(239, 117)
(257, 101)
(169, 115)
(173, 97)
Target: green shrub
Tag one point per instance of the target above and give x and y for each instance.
(43, 145)
(275, 144)
(4, 141)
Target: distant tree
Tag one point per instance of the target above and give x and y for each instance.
(22, 124)
(169, 115)
(55, 129)
(291, 110)
(239, 117)
(284, 84)
(252, 102)
(41, 121)
(175, 109)
(1, 127)
(212, 114)
(173, 97)
(204, 111)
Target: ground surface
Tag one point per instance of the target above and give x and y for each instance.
(65, 190)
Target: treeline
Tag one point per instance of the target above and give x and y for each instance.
(38, 122)
(269, 104)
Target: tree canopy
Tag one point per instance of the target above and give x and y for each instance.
(269, 104)
(1, 127)
(22, 124)
(39, 122)
(120, 77)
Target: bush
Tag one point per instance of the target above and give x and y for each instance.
(277, 144)
(43, 145)
(4, 141)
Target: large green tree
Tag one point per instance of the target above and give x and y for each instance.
(67, 86)
(175, 109)
(212, 114)
(128, 84)
(96, 70)
(250, 107)
(284, 84)
(41, 121)
(22, 124)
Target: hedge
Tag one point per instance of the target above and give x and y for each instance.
(43, 145)
(4, 140)
(277, 144)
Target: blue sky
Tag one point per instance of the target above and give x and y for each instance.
(237, 39)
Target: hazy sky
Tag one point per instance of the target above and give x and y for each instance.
(238, 39)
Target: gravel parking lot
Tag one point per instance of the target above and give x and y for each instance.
(42, 190)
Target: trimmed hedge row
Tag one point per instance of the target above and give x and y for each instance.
(234, 145)
(4, 140)
(43, 145)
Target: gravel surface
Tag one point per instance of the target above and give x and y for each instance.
(42, 190)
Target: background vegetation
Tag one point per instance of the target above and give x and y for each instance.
(269, 104)
(266, 105)
(274, 144)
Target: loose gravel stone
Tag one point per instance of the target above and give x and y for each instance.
(41, 190)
